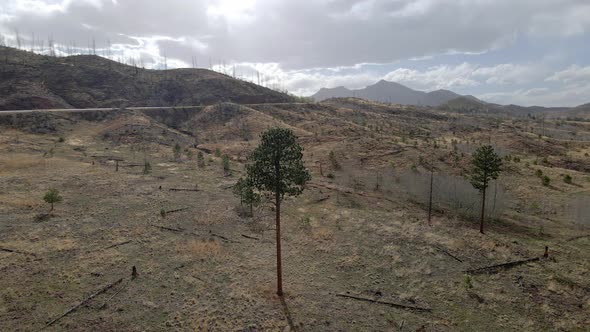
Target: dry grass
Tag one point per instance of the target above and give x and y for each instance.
(199, 248)
(18, 162)
(368, 242)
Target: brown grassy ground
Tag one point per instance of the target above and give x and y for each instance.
(339, 236)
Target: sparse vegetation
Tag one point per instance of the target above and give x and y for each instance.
(52, 196)
(147, 167)
(225, 164)
(334, 161)
(200, 159)
(245, 191)
(176, 150)
(567, 179)
(545, 180)
(340, 226)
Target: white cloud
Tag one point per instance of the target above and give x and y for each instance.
(571, 95)
(573, 73)
(306, 45)
(438, 77)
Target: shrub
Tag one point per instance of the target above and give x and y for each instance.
(538, 173)
(61, 139)
(334, 161)
(567, 179)
(330, 176)
(200, 159)
(163, 212)
(176, 150)
(225, 164)
(217, 153)
(147, 167)
(546, 180)
(467, 283)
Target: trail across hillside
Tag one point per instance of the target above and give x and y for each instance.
(139, 108)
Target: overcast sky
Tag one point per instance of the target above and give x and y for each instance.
(528, 52)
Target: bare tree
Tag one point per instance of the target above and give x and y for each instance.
(18, 39)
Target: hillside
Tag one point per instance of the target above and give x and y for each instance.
(32, 81)
(389, 92)
(360, 227)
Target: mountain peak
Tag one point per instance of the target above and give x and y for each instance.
(389, 92)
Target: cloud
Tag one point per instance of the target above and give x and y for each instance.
(573, 73)
(570, 95)
(303, 34)
(451, 77)
(305, 45)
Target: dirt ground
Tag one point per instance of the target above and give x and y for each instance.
(206, 268)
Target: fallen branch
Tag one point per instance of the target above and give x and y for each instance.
(117, 244)
(224, 238)
(182, 189)
(177, 210)
(18, 252)
(448, 253)
(397, 305)
(112, 296)
(495, 268)
(168, 228)
(250, 237)
(93, 295)
(578, 237)
(319, 200)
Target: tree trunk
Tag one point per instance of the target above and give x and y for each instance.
(430, 198)
(278, 232)
(51, 207)
(483, 208)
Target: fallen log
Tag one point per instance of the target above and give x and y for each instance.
(250, 237)
(224, 238)
(104, 305)
(81, 303)
(168, 228)
(396, 305)
(182, 189)
(117, 244)
(177, 210)
(319, 200)
(578, 237)
(18, 252)
(496, 268)
(448, 253)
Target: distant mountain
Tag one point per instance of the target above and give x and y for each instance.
(389, 92)
(33, 81)
(473, 105)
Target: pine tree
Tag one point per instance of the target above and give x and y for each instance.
(245, 191)
(276, 167)
(52, 196)
(487, 166)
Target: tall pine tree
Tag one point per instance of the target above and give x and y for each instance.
(487, 166)
(276, 166)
